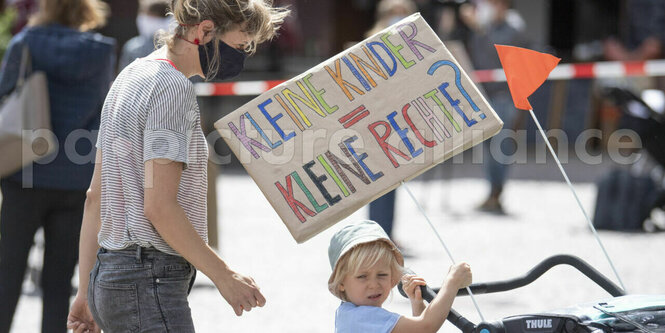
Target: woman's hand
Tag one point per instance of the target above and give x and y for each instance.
(241, 292)
(80, 319)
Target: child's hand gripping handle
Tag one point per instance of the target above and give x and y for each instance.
(428, 295)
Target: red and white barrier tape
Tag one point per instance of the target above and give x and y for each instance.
(238, 88)
(605, 69)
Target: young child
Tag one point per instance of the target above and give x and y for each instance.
(366, 265)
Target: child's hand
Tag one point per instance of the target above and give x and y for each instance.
(411, 285)
(460, 275)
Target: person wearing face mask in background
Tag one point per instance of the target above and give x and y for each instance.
(144, 231)
(493, 22)
(151, 19)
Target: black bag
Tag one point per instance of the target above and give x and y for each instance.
(624, 201)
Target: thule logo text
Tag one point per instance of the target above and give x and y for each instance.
(538, 323)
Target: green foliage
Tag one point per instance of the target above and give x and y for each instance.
(7, 18)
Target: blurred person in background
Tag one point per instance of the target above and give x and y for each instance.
(79, 68)
(388, 12)
(151, 19)
(121, 24)
(642, 34)
(641, 37)
(491, 24)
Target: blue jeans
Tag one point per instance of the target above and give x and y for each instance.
(141, 290)
(382, 211)
(496, 163)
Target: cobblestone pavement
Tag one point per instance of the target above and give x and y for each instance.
(543, 219)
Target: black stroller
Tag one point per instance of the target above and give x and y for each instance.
(627, 197)
(618, 313)
(622, 313)
(643, 119)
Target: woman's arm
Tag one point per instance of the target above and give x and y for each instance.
(436, 312)
(169, 219)
(79, 318)
(90, 227)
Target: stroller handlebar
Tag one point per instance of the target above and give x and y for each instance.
(539, 270)
(454, 317)
(467, 326)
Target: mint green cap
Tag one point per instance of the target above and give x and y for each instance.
(360, 232)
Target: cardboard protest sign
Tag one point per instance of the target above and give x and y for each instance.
(334, 138)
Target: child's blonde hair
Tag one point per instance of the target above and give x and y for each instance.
(365, 255)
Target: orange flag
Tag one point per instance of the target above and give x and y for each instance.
(525, 71)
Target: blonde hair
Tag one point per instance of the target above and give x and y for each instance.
(82, 15)
(257, 18)
(361, 256)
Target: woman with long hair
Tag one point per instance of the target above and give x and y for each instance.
(50, 193)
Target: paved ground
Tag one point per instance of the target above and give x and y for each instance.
(543, 220)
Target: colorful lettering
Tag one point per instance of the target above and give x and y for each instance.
(318, 94)
(318, 181)
(455, 105)
(363, 65)
(381, 139)
(246, 141)
(402, 134)
(273, 122)
(355, 73)
(293, 116)
(354, 116)
(343, 84)
(430, 119)
(295, 205)
(308, 101)
(319, 208)
(458, 82)
(395, 50)
(432, 95)
(361, 159)
(338, 164)
(411, 42)
(415, 130)
(334, 176)
(391, 70)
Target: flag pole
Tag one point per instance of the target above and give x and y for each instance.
(579, 203)
(450, 255)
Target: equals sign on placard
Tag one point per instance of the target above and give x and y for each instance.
(354, 116)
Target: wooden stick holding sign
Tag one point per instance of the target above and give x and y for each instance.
(329, 141)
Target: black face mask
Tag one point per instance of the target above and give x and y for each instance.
(231, 61)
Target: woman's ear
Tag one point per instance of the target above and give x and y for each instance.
(206, 31)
